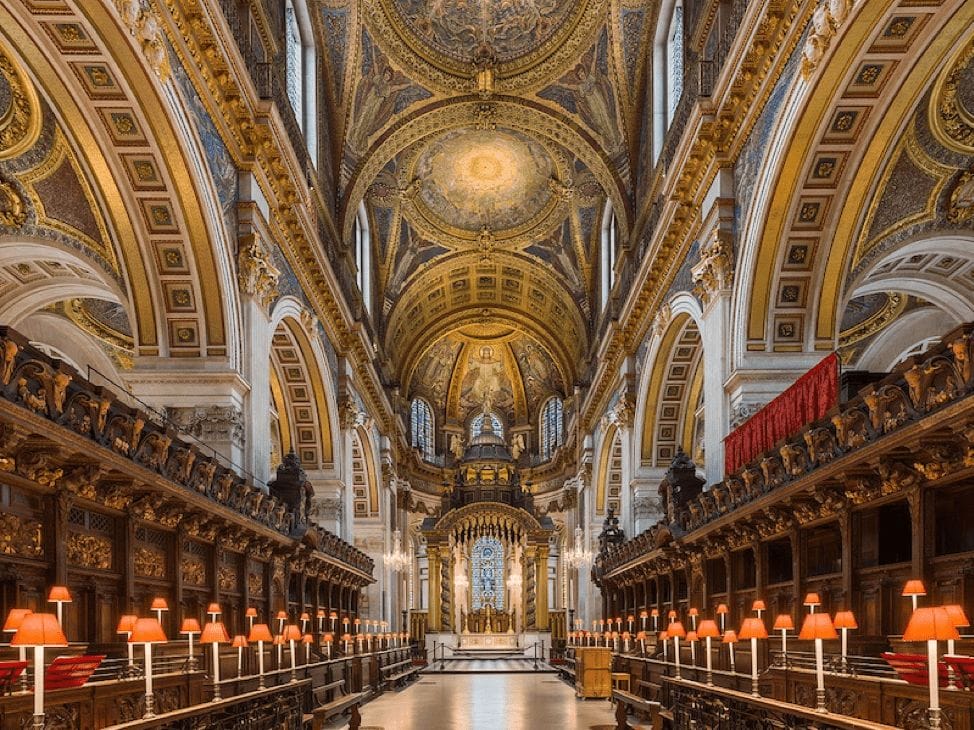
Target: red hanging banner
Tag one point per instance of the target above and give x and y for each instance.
(809, 399)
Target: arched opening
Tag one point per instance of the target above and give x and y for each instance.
(608, 252)
(299, 58)
(477, 424)
(421, 428)
(363, 256)
(551, 427)
(608, 493)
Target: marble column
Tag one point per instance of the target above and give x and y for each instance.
(541, 588)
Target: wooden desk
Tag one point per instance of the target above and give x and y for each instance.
(593, 672)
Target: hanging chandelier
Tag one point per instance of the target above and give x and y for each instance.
(397, 559)
(577, 556)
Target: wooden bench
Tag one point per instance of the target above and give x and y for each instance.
(912, 668)
(9, 674)
(395, 679)
(963, 667)
(326, 709)
(566, 670)
(67, 672)
(647, 708)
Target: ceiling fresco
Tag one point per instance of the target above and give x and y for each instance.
(484, 137)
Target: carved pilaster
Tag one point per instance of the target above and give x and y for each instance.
(256, 272)
(715, 270)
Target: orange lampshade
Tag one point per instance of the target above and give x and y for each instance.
(783, 622)
(147, 631)
(292, 632)
(260, 632)
(663, 635)
(281, 614)
(655, 612)
(126, 623)
(676, 629)
(240, 642)
(159, 604)
(914, 588)
(213, 608)
(39, 629)
(692, 636)
(730, 637)
(693, 612)
(957, 616)
(329, 637)
(333, 615)
(722, 608)
(708, 627)
(845, 620)
(671, 614)
(15, 618)
(640, 636)
(214, 633)
(346, 637)
(930, 624)
(758, 605)
(250, 613)
(812, 599)
(630, 617)
(279, 640)
(321, 613)
(817, 626)
(307, 639)
(190, 626)
(305, 616)
(59, 594)
(753, 628)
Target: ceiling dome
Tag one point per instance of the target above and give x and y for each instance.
(459, 29)
(473, 177)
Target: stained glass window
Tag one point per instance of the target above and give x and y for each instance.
(477, 425)
(293, 53)
(487, 565)
(421, 427)
(552, 427)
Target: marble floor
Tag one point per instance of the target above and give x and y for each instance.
(486, 702)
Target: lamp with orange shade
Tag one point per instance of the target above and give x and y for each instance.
(321, 619)
(643, 615)
(14, 619)
(307, 640)
(818, 627)
(333, 617)
(784, 624)
(960, 621)
(304, 619)
(148, 631)
(39, 630)
(293, 634)
(758, 607)
(708, 630)
(693, 639)
(629, 620)
(845, 621)
(753, 629)
(260, 633)
(190, 627)
(281, 620)
(59, 595)
(931, 625)
(676, 632)
(239, 643)
(641, 638)
(672, 615)
(213, 611)
(693, 613)
(159, 605)
(730, 638)
(215, 633)
(914, 589)
(664, 636)
(722, 615)
(251, 615)
(812, 601)
(346, 640)
(329, 640)
(655, 614)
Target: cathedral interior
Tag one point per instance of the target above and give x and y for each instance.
(487, 363)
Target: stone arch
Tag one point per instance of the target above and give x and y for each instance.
(365, 475)
(608, 484)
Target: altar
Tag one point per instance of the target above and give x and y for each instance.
(487, 641)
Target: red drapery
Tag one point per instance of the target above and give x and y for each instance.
(808, 400)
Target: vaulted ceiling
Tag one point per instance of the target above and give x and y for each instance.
(484, 138)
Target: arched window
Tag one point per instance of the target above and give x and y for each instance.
(668, 69)
(363, 256)
(421, 427)
(477, 425)
(674, 62)
(299, 60)
(552, 427)
(487, 566)
(610, 236)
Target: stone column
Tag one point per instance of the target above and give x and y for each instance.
(433, 557)
(530, 596)
(541, 588)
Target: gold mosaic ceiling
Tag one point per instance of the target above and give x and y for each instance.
(484, 138)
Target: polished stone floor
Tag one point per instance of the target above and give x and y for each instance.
(486, 702)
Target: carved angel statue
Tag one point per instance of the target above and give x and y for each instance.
(456, 445)
(517, 446)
